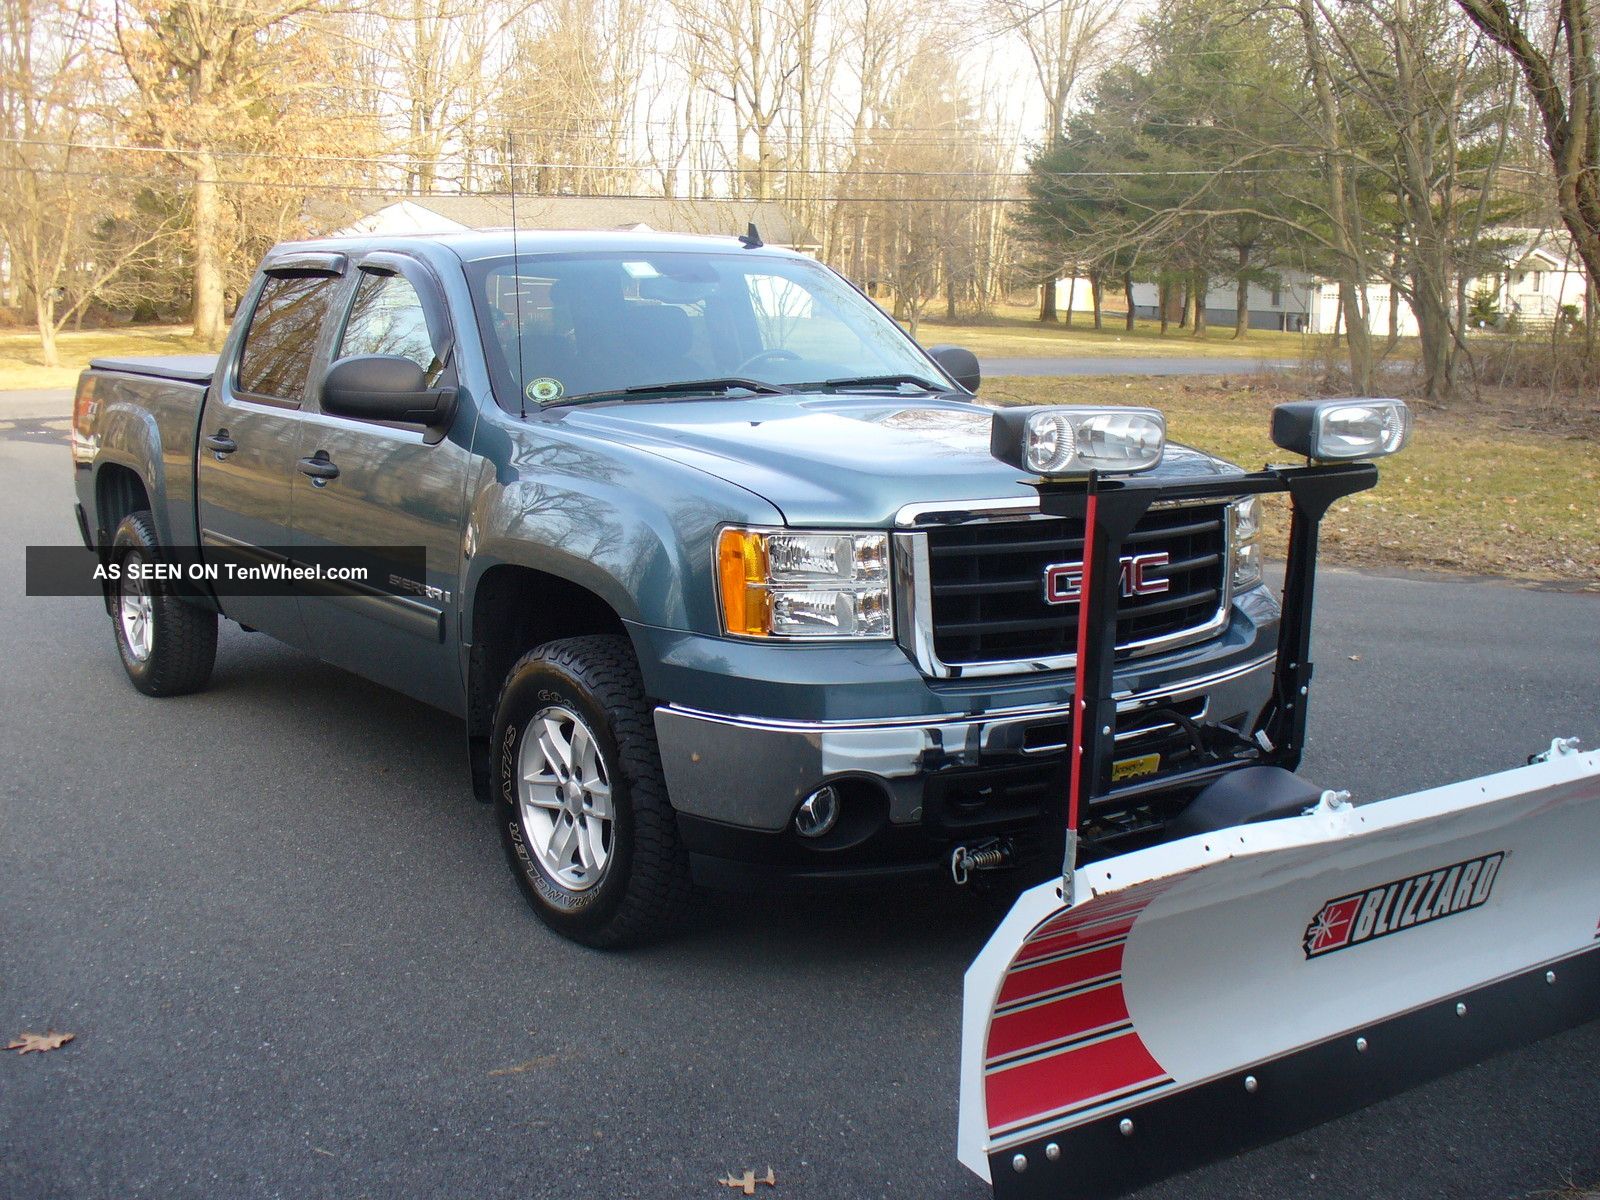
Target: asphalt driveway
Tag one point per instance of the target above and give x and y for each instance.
(296, 965)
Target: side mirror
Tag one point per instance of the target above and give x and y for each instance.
(385, 387)
(960, 364)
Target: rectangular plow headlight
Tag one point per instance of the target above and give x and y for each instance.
(1061, 441)
(781, 583)
(1342, 430)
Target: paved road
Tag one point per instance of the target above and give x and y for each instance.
(296, 965)
(1144, 365)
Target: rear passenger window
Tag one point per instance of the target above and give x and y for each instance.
(282, 339)
(386, 317)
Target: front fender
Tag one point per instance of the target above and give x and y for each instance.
(635, 529)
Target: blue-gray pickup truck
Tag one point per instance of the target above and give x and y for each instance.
(719, 572)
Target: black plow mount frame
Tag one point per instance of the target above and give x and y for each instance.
(1116, 505)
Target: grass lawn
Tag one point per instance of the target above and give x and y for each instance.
(1013, 332)
(20, 362)
(1478, 490)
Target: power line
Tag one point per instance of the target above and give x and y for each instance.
(409, 164)
(394, 194)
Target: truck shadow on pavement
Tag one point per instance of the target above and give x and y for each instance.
(410, 754)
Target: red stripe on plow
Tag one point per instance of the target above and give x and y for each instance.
(1056, 1021)
(1071, 1079)
(1064, 973)
(1073, 939)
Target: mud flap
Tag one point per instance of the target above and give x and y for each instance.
(1221, 991)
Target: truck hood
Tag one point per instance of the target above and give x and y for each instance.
(838, 460)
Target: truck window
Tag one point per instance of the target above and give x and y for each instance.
(590, 322)
(282, 339)
(386, 317)
(791, 317)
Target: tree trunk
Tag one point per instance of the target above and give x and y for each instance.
(1183, 308)
(208, 318)
(1097, 292)
(1127, 290)
(949, 296)
(1435, 344)
(1164, 303)
(1343, 217)
(1047, 301)
(1072, 295)
(1241, 296)
(1199, 293)
(1393, 339)
(44, 316)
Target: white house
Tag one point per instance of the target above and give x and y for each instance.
(452, 213)
(1324, 314)
(1284, 305)
(1541, 274)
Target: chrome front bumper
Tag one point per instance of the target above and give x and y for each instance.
(752, 773)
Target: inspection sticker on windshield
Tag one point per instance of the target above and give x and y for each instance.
(1135, 768)
(543, 390)
(641, 270)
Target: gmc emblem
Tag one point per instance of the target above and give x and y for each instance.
(1063, 582)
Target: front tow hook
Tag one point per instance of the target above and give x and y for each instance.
(989, 855)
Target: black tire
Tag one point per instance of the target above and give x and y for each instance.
(643, 887)
(181, 647)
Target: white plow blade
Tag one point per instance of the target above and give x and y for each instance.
(1337, 956)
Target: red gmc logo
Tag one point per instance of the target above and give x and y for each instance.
(1063, 582)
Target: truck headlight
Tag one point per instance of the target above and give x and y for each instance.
(1341, 429)
(783, 583)
(1244, 518)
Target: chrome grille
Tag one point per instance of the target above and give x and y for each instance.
(986, 594)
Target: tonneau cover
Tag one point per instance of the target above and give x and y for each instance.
(190, 368)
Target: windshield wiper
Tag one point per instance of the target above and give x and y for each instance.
(682, 387)
(863, 381)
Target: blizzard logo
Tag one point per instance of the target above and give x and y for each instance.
(1063, 582)
(1403, 904)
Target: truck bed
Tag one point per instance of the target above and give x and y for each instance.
(187, 368)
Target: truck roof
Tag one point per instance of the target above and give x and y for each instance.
(472, 245)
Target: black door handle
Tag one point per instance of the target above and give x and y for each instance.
(221, 444)
(319, 468)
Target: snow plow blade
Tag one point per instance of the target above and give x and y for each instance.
(1215, 993)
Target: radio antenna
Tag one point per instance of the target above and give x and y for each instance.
(516, 275)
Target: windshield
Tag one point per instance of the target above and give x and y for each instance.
(560, 328)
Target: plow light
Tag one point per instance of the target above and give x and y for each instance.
(1341, 429)
(1059, 441)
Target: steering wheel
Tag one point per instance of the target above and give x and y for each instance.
(776, 354)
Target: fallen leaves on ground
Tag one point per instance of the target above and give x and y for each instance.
(31, 1043)
(533, 1064)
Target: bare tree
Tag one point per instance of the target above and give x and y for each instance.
(201, 69)
(71, 232)
(1564, 85)
(748, 53)
(1065, 41)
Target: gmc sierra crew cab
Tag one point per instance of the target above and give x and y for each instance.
(717, 566)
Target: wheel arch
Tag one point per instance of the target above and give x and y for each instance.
(119, 491)
(512, 609)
